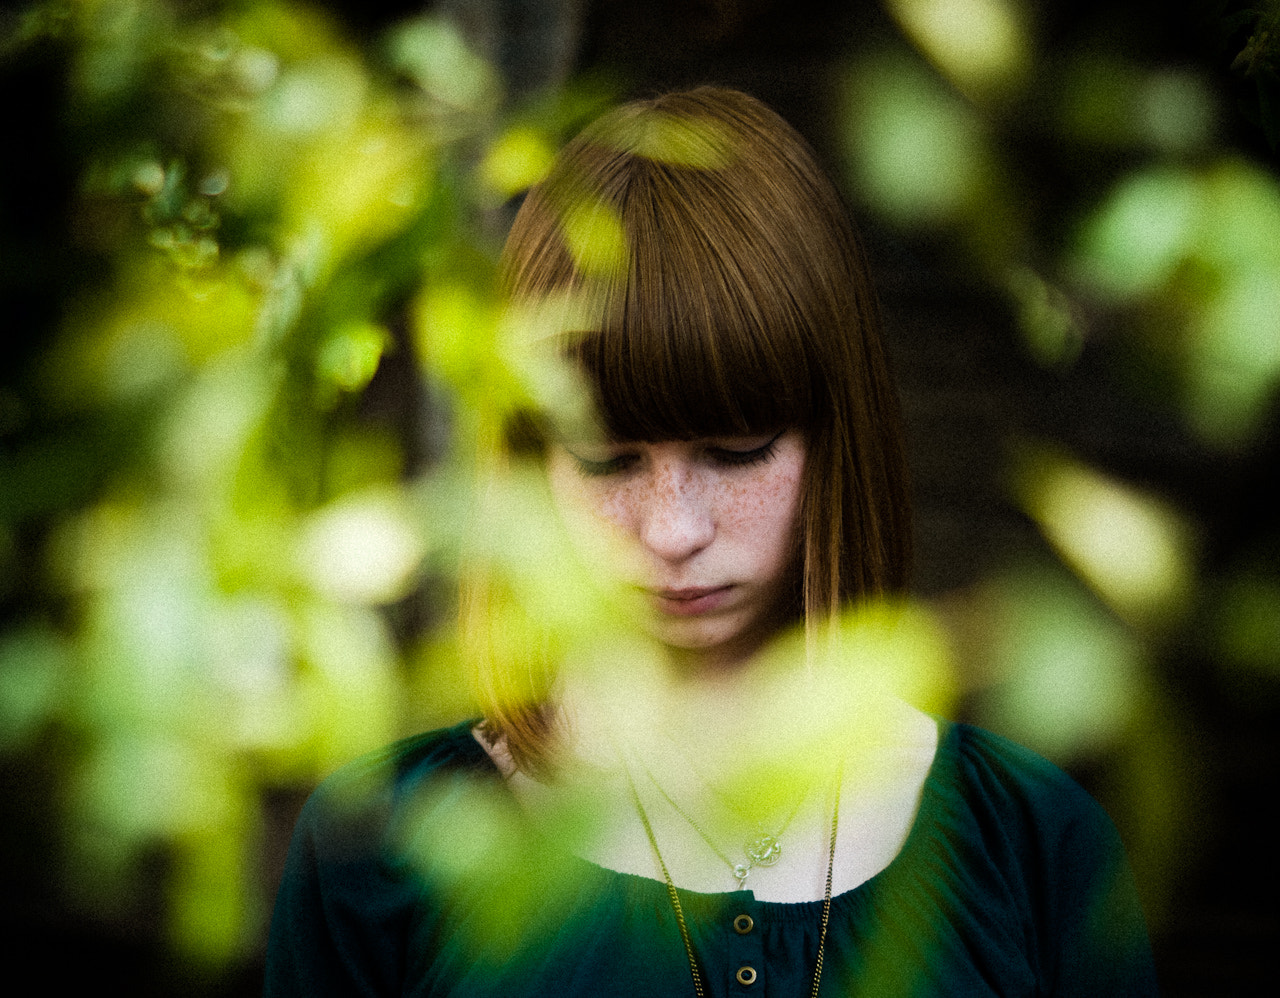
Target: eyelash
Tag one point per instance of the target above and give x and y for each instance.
(725, 458)
(599, 469)
(743, 458)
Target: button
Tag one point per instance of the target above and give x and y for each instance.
(743, 924)
(746, 975)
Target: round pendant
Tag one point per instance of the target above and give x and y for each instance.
(764, 850)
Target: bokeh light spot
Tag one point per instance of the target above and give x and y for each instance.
(517, 160)
(915, 150)
(596, 238)
(980, 44)
(350, 356)
(1137, 238)
(361, 549)
(1177, 112)
(32, 665)
(1131, 547)
(434, 54)
(1068, 675)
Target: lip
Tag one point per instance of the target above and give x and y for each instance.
(690, 601)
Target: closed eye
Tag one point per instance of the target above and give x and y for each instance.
(601, 462)
(600, 467)
(740, 458)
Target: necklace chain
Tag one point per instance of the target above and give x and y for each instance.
(763, 849)
(679, 911)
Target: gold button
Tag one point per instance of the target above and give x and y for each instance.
(743, 924)
(746, 975)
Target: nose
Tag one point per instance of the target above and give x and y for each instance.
(676, 521)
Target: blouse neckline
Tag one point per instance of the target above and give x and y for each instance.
(924, 827)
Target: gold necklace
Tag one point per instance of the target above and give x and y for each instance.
(675, 898)
(764, 849)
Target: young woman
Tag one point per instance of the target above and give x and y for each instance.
(691, 790)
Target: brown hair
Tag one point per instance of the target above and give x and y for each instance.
(739, 302)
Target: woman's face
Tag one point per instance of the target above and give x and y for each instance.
(709, 528)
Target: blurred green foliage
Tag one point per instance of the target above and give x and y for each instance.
(218, 564)
(1158, 252)
(213, 525)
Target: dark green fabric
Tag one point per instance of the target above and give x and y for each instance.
(402, 881)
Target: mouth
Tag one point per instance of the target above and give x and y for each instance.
(690, 601)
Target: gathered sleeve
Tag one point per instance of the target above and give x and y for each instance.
(1090, 934)
(348, 903)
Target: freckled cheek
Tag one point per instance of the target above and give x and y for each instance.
(628, 506)
(765, 508)
(616, 506)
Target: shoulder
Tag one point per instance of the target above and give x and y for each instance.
(1027, 817)
(1020, 817)
(347, 898)
(1056, 848)
(984, 753)
(370, 790)
(995, 773)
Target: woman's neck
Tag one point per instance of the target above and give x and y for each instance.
(774, 721)
(708, 782)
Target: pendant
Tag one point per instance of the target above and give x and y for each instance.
(764, 850)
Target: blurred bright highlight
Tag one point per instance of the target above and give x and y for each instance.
(915, 149)
(1067, 676)
(516, 161)
(361, 549)
(1197, 252)
(980, 44)
(1132, 548)
(596, 238)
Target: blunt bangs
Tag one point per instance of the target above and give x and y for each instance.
(715, 317)
(702, 338)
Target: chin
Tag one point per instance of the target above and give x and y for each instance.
(691, 638)
(713, 644)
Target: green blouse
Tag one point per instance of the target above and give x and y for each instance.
(409, 874)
